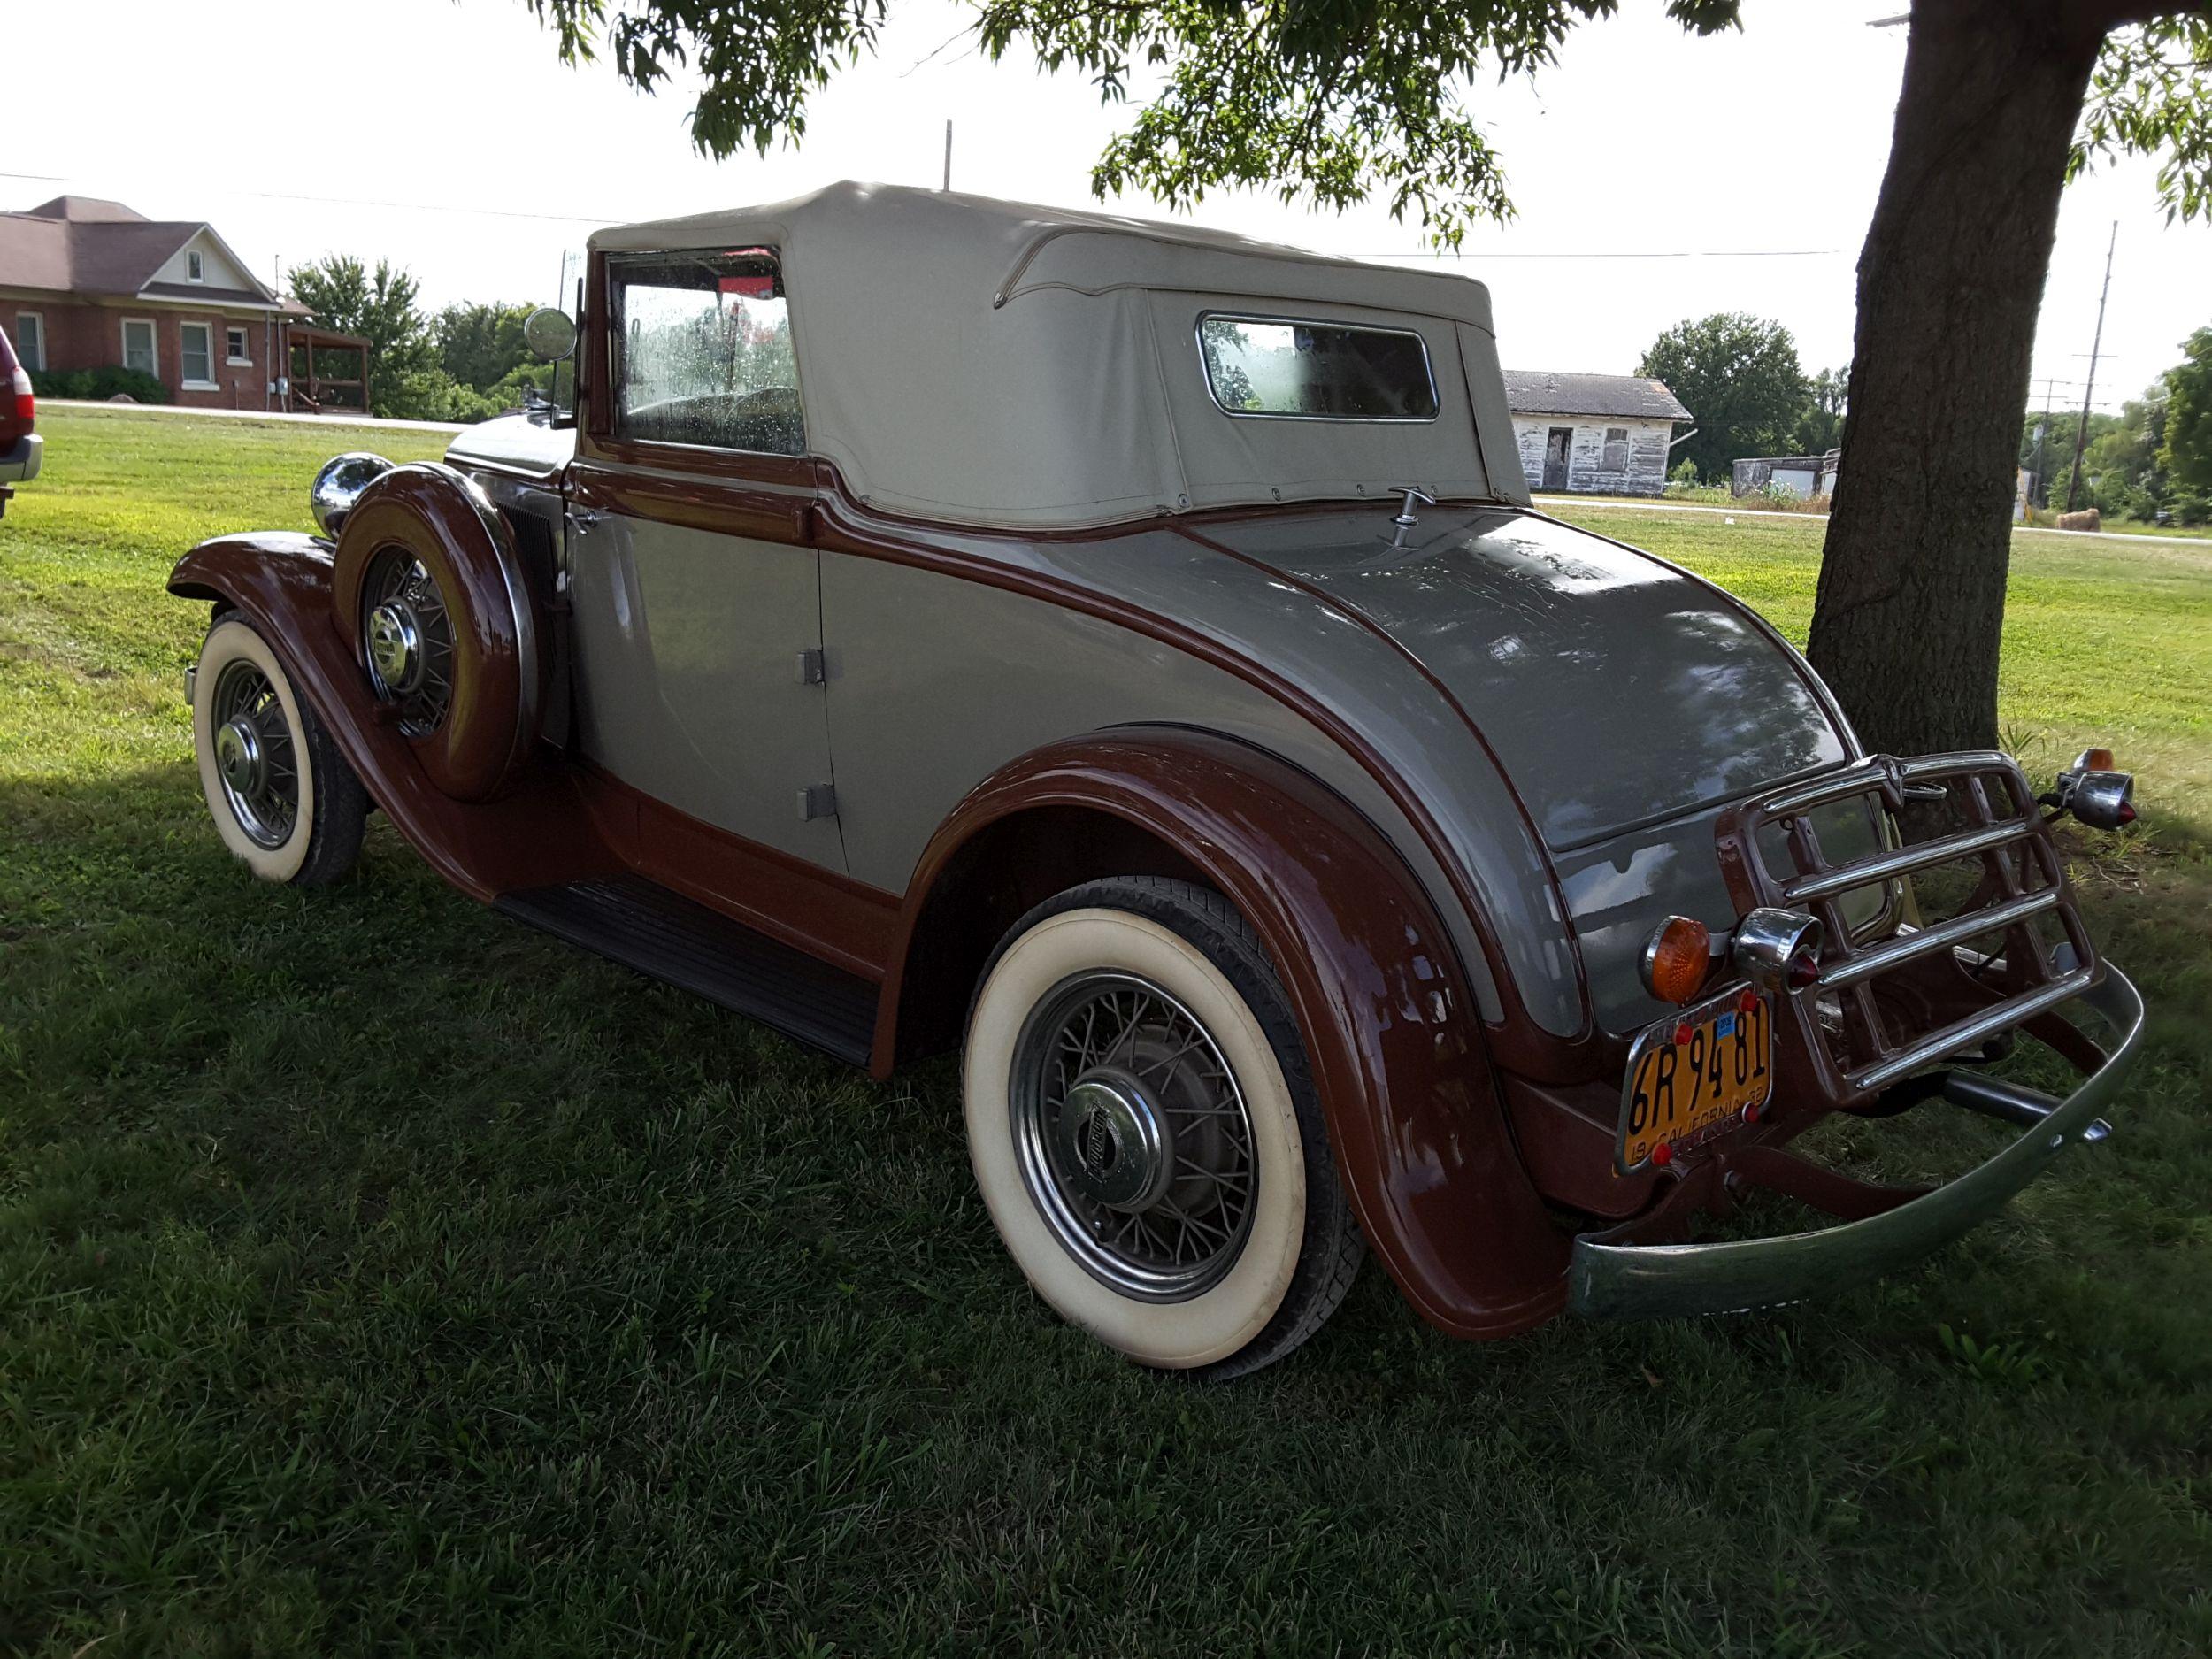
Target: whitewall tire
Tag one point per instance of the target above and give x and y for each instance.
(284, 801)
(1142, 1124)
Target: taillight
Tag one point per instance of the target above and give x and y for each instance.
(26, 405)
(1677, 959)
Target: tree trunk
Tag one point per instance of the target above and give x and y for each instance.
(1911, 608)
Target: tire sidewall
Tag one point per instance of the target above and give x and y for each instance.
(228, 641)
(1226, 1317)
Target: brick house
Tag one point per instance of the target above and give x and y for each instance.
(85, 284)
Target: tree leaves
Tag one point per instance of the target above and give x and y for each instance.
(1329, 102)
(2151, 95)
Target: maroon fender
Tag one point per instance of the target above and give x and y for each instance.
(1393, 1032)
(283, 583)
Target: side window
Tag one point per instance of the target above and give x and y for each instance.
(702, 351)
(1617, 449)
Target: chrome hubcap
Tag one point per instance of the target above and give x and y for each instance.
(1132, 1136)
(1116, 1148)
(238, 755)
(394, 641)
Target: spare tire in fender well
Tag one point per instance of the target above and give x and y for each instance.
(442, 519)
(1393, 1034)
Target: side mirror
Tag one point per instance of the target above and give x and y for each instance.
(549, 334)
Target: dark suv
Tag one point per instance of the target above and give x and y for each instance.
(20, 446)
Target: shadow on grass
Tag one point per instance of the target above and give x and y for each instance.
(376, 1271)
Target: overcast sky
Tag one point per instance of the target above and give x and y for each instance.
(1658, 176)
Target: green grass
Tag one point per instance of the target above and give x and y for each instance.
(377, 1276)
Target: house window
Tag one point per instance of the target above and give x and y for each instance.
(192, 272)
(702, 346)
(138, 346)
(195, 355)
(30, 339)
(1617, 449)
(234, 347)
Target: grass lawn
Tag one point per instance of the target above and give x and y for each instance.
(379, 1276)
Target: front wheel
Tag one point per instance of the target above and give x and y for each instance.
(1143, 1127)
(283, 799)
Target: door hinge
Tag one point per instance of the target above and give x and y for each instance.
(817, 800)
(813, 668)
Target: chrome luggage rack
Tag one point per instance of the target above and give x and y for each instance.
(1859, 1049)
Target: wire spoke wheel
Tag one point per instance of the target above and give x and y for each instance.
(1132, 1136)
(254, 755)
(407, 639)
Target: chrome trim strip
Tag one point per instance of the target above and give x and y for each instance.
(1927, 941)
(1881, 772)
(1655, 1281)
(1904, 860)
(1965, 1033)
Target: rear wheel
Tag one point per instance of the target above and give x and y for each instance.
(1143, 1127)
(283, 799)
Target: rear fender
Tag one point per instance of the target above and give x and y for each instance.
(1393, 1034)
(281, 582)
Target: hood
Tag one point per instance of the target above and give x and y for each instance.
(1614, 689)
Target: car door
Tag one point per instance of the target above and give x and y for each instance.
(696, 603)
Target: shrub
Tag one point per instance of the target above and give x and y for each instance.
(100, 385)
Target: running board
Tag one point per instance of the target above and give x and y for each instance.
(645, 926)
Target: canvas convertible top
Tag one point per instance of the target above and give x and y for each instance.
(991, 363)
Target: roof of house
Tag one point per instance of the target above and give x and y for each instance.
(79, 244)
(1624, 396)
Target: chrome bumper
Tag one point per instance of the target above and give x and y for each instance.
(1657, 1281)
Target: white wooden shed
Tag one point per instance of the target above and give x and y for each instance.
(1601, 433)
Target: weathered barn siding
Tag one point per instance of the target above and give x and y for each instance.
(1636, 465)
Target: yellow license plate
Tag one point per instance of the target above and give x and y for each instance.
(1692, 1075)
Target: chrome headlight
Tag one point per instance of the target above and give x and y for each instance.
(339, 484)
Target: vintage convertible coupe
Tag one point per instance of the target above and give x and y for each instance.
(1129, 655)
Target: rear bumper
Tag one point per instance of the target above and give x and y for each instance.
(1650, 1281)
(19, 464)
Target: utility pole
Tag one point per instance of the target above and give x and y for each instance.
(2081, 432)
(949, 154)
(2042, 431)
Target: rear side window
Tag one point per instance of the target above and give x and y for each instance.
(1290, 369)
(702, 351)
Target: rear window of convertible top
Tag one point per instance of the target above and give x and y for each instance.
(1291, 369)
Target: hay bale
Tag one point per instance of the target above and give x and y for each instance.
(2087, 519)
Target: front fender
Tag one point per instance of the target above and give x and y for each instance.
(280, 582)
(1393, 1034)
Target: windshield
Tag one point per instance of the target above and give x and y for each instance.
(1293, 369)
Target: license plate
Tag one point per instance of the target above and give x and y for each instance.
(1691, 1076)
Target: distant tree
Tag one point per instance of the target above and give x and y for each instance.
(342, 294)
(1820, 424)
(2186, 451)
(1738, 376)
(2058, 445)
(480, 345)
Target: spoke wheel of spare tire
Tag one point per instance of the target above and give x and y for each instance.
(283, 799)
(406, 625)
(1144, 1129)
(429, 586)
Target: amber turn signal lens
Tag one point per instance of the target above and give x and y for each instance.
(1677, 959)
(2097, 760)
